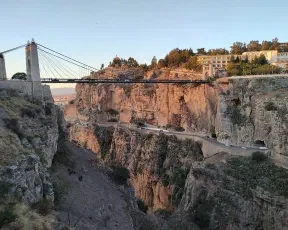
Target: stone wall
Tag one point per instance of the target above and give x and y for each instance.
(32, 89)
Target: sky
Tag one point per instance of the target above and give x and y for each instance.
(94, 31)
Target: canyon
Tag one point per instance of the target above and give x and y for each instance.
(194, 156)
(177, 176)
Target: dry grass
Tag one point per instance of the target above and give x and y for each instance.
(15, 104)
(10, 147)
(27, 219)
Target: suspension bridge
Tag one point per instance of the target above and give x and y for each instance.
(46, 65)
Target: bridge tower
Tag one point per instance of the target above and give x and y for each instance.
(32, 62)
(3, 75)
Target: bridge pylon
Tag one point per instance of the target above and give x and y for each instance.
(3, 75)
(32, 62)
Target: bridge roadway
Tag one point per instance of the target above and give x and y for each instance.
(165, 81)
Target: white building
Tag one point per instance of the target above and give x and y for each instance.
(271, 55)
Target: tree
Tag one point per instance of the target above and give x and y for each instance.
(132, 62)
(274, 44)
(21, 76)
(234, 69)
(238, 48)
(192, 64)
(261, 60)
(220, 51)
(201, 51)
(144, 67)
(154, 62)
(254, 46)
(102, 66)
(265, 45)
(161, 63)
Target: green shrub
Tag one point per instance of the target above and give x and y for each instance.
(179, 129)
(165, 179)
(43, 207)
(252, 174)
(259, 157)
(178, 179)
(142, 206)
(48, 110)
(28, 112)
(269, 106)
(14, 125)
(202, 214)
(120, 174)
(7, 215)
(237, 118)
(5, 187)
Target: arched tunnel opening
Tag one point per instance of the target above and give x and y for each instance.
(260, 143)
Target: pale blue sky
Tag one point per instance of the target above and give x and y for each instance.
(94, 31)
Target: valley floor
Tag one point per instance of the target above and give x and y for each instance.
(92, 201)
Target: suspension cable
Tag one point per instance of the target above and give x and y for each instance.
(49, 66)
(67, 57)
(7, 51)
(56, 64)
(64, 59)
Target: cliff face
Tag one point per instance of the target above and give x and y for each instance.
(167, 173)
(252, 112)
(222, 192)
(238, 194)
(29, 135)
(158, 164)
(190, 106)
(244, 111)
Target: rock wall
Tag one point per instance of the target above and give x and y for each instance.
(190, 106)
(252, 112)
(29, 88)
(222, 192)
(243, 111)
(29, 134)
(158, 164)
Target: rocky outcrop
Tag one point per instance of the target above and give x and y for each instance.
(237, 194)
(29, 134)
(252, 112)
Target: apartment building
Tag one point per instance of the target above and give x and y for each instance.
(218, 61)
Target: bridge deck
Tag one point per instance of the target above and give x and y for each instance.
(63, 80)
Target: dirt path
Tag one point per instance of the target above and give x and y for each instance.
(93, 203)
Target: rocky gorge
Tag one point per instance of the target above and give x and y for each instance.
(172, 175)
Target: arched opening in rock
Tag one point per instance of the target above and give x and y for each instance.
(259, 143)
(236, 102)
(213, 132)
(213, 135)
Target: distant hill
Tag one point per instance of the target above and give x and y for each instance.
(62, 91)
